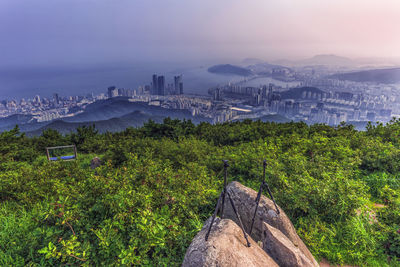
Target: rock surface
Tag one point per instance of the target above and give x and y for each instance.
(244, 199)
(282, 250)
(95, 162)
(226, 247)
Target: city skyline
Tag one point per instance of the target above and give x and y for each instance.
(313, 97)
(222, 61)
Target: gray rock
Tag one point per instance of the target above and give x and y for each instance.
(226, 247)
(282, 250)
(244, 199)
(95, 162)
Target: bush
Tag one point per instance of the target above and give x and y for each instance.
(159, 183)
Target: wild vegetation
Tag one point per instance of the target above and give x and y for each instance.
(160, 182)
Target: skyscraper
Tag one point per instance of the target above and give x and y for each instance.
(217, 94)
(154, 90)
(178, 84)
(181, 88)
(270, 93)
(161, 85)
(110, 91)
(264, 91)
(270, 88)
(56, 99)
(36, 99)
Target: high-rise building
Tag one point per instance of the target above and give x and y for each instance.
(181, 88)
(257, 99)
(36, 99)
(178, 84)
(111, 91)
(147, 89)
(56, 99)
(155, 85)
(264, 91)
(270, 93)
(217, 94)
(296, 108)
(161, 85)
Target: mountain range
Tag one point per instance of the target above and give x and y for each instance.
(115, 114)
(10, 121)
(134, 119)
(111, 115)
(340, 61)
(386, 76)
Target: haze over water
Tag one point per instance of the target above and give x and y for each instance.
(24, 83)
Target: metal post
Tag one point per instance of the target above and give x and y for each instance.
(226, 165)
(238, 217)
(258, 196)
(272, 197)
(214, 215)
(75, 152)
(221, 200)
(264, 166)
(264, 183)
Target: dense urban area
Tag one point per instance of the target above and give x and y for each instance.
(311, 95)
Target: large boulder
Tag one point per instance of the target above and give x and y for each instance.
(95, 163)
(226, 247)
(282, 250)
(244, 199)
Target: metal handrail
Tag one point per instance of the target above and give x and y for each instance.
(57, 147)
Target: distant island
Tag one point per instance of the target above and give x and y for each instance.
(386, 76)
(228, 69)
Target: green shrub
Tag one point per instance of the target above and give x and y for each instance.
(159, 183)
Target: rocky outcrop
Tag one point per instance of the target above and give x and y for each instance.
(278, 243)
(244, 199)
(282, 250)
(226, 247)
(95, 163)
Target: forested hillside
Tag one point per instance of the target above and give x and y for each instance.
(159, 183)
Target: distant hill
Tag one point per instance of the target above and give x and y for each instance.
(324, 60)
(134, 119)
(229, 69)
(385, 76)
(105, 109)
(296, 93)
(126, 114)
(10, 121)
(120, 106)
(331, 60)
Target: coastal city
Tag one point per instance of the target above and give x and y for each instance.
(307, 96)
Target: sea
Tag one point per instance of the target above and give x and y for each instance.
(26, 82)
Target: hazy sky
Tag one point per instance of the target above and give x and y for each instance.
(91, 31)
